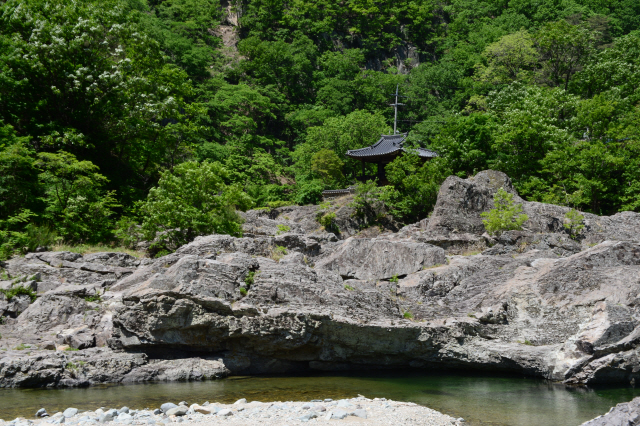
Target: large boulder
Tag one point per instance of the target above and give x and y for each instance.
(100, 365)
(378, 258)
(461, 202)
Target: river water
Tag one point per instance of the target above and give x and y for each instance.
(481, 400)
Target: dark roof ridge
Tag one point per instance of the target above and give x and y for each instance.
(387, 144)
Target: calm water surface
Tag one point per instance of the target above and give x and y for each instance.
(480, 400)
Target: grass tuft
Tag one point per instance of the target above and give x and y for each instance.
(97, 248)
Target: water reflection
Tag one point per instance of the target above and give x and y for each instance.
(479, 399)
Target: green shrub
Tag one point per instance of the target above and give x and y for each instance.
(13, 239)
(309, 192)
(408, 315)
(94, 298)
(15, 291)
(414, 186)
(348, 287)
(367, 202)
(278, 253)
(573, 223)
(243, 291)
(189, 201)
(328, 221)
(283, 229)
(40, 236)
(394, 279)
(248, 280)
(506, 216)
(128, 232)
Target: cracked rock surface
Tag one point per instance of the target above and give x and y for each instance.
(439, 293)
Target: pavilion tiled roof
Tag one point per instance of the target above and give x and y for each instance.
(388, 144)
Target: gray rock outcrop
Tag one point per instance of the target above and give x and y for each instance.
(379, 259)
(624, 414)
(438, 293)
(461, 202)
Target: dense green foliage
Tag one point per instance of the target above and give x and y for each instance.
(101, 102)
(191, 200)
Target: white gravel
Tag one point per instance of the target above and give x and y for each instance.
(355, 411)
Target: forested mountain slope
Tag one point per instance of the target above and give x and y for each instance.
(255, 102)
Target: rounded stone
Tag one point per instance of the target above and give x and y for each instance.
(225, 412)
(70, 412)
(167, 406)
(180, 410)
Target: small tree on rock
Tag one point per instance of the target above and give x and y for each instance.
(573, 223)
(506, 216)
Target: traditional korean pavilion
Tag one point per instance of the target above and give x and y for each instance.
(385, 151)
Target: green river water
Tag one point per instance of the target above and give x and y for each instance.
(481, 400)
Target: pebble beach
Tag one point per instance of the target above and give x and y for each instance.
(355, 411)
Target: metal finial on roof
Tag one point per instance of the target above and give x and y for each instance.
(395, 106)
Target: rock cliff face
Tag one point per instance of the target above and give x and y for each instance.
(440, 293)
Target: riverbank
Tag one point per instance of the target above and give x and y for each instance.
(360, 411)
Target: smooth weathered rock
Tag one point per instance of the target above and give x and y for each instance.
(180, 410)
(70, 412)
(200, 409)
(167, 406)
(376, 259)
(338, 414)
(308, 416)
(225, 413)
(360, 413)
